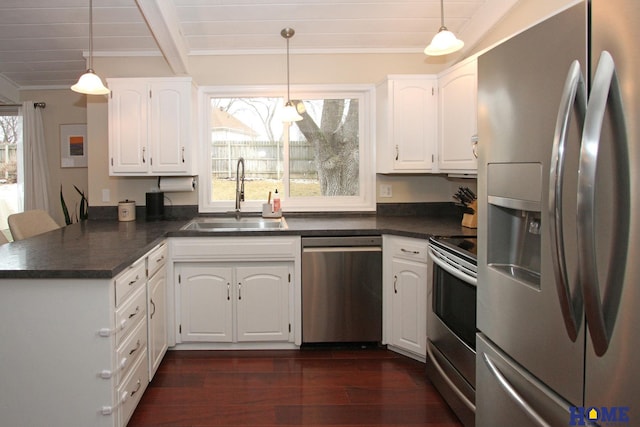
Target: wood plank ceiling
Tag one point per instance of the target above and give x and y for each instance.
(43, 43)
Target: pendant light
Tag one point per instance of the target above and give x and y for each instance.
(289, 113)
(444, 41)
(90, 83)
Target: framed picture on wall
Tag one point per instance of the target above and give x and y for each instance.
(73, 146)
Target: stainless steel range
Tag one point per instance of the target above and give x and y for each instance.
(451, 322)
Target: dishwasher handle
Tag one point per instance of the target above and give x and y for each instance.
(343, 249)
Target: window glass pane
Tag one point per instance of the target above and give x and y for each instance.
(324, 162)
(247, 128)
(324, 149)
(10, 137)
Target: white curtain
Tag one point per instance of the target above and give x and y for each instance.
(35, 167)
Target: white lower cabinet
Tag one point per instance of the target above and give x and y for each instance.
(405, 288)
(131, 338)
(233, 291)
(157, 306)
(241, 303)
(205, 302)
(82, 356)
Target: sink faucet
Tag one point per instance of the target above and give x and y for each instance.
(239, 184)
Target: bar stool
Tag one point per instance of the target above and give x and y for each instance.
(30, 223)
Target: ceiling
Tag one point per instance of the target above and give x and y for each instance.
(43, 43)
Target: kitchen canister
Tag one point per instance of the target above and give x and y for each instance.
(127, 210)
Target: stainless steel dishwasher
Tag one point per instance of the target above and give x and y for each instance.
(341, 289)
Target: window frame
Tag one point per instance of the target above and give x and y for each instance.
(365, 202)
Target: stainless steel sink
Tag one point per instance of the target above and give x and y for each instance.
(213, 224)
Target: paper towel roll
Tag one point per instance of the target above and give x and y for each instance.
(177, 183)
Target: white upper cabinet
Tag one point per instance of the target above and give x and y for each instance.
(457, 128)
(406, 125)
(151, 129)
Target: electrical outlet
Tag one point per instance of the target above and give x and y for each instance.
(106, 196)
(385, 190)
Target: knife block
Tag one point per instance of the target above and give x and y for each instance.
(470, 220)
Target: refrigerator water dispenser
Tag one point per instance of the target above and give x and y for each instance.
(514, 220)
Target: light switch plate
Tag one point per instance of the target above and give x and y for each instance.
(106, 196)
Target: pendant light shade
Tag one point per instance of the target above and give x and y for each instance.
(289, 113)
(444, 42)
(90, 83)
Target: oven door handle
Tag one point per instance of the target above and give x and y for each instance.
(435, 257)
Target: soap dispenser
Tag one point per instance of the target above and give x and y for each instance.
(276, 202)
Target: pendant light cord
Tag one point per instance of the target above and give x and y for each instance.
(91, 34)
(442, 13)
(288, 84)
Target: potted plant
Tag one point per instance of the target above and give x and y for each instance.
(80, 213)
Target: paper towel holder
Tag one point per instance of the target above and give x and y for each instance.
(176, 183)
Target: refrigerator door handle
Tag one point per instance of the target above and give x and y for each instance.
(601, 312)
(512, 393)
(574, 97)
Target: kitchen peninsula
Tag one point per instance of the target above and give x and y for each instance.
(72, 300)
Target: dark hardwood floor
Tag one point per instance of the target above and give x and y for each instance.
(310, 387)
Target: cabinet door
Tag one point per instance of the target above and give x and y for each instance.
(458, 119)
(128, 133)
(262, 300)
(169, 127)
(157, 309)
(205, 302)
(408, 307)
(414, 124)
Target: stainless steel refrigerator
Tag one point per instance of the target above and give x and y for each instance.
(558, 235)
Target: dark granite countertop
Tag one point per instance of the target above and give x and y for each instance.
(103, 248)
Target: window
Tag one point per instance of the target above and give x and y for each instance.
(10, 143)
(324, 162)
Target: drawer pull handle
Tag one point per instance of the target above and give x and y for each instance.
(136, 348)
(228, 291)
(134, 280)
(153, 304)
(239, 291)
(407, 251)
(135, 313)
(138, 385)
(395, 282)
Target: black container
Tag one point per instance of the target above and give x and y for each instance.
(155, 206)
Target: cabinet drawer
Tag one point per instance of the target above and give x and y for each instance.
(130, 349)
(128, 281)
(156, 259)
(132, 312)
(131, 390)
(411, 249)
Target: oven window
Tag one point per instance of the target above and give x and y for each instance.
(454, 302)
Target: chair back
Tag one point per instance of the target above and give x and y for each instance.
(30, 223)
